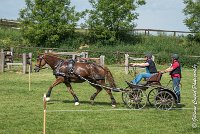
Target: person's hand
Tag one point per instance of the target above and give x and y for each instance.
(133, 64)
(162, 72)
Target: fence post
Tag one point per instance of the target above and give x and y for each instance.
(153, 57)
(24, 63)
(12, 54)
(84, 54)
(174, 34)
(73, 56)
(102, 58)
(2, 61)
(126, 63)
(46, 65)
(30, 61)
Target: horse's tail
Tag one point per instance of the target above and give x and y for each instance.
(110, 78)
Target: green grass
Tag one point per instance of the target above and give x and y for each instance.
(162, 46)
(21, 110)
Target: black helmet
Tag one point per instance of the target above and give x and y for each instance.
(175, 56)
(148, 55)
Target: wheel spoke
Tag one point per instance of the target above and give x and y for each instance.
(164, 100)
(151, 96)
(169, 105)
(167, 96)
(136, 99)
(161, 95)
(160, 105)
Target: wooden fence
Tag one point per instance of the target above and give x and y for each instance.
(15, 23)
(127, 61)
(149, 31)
(10, 23)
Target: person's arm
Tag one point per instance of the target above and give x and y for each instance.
(168, 70)
(171, 68)
(139, 64)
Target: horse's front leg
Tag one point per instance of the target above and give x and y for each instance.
(58, 81)
(69, 87)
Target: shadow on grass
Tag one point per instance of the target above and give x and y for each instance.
(121, 105)
(88, 102)
(82, 102)
(180, 105)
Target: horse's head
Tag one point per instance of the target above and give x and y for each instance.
(39, 63)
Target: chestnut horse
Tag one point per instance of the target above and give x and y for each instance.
(67, 71)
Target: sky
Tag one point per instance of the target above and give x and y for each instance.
(156, 14)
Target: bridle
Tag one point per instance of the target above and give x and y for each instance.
(40, 58)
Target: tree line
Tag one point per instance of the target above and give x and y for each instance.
(52, 22)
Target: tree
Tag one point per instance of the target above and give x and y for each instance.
(192, 11)
(112, 19)
(48, 22)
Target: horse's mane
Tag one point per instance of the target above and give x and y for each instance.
(53, 54)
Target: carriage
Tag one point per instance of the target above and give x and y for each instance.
(134, 96)
(137, 96)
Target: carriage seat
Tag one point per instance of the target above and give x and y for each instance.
(154, 79)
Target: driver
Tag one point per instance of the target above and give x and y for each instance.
(150, 69)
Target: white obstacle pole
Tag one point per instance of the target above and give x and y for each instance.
(44, 117)
(29, 77)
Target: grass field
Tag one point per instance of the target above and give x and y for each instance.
(21, 110)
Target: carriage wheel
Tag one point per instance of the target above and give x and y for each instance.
(125, 95)
(164, 100)
(136, 99)
(151, 96)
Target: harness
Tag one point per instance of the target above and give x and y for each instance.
(70, 72)
(69, 66)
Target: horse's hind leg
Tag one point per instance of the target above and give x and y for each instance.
(58, 81)
(69, 87)
(99, 89)
(113, 101)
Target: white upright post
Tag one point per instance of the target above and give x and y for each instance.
(44, 116)
(153, 57)
(102, 58)
(30, 61)
(29, 77)
(126, 63)
(2, 61)
(24, 63)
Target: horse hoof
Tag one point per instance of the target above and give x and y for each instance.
(48, 99)
(76, 103)
(92, 102)
(113, 106)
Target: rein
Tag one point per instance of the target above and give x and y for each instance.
(95, 84)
